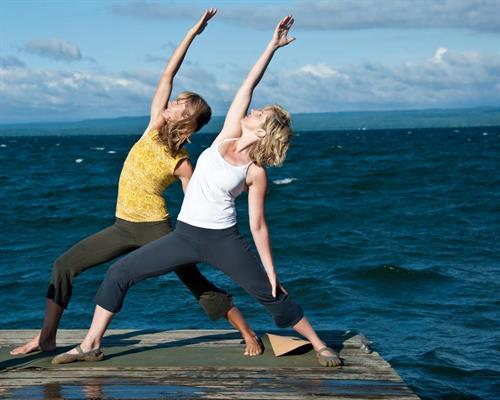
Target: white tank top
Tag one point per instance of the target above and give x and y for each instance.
(209, 198)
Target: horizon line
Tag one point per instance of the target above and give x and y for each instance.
(293, 113)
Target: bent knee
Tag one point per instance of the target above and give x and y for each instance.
(216, 304)
(115, 272)
(63, 267)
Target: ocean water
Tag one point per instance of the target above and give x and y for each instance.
(393, 233)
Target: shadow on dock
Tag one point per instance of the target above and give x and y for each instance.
(196, 364)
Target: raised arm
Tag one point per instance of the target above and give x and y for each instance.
(241, 101)
(164, 88)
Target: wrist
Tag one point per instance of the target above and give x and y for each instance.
(272, 46)
(191, 33)
(271, 274)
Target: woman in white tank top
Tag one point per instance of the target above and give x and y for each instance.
(206, 230)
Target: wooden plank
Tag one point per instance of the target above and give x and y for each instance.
(197, 337)
(363, 376)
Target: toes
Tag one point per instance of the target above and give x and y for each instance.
(26, 349)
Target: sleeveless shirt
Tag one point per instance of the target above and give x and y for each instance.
(146, 173)
(209, 198)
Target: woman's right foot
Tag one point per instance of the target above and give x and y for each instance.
(328, 357)
(32, 346)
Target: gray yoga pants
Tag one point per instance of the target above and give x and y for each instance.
(225, 249)
(122, 238)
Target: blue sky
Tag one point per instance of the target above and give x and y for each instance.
(70, 60)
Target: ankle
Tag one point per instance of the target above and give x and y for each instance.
(90, 344)
(318, 345)
(248, 334)
(47, 337)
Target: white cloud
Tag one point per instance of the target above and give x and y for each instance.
(320, 71)
(48, 94)
(56, 49)
(34, 95)
(440, 52)
(445, 79)
(456, 80)
(478, 15)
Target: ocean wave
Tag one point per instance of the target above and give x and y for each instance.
(456, 366)
(393, 273)
(284, 181)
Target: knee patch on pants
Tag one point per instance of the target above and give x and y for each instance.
(216, 304)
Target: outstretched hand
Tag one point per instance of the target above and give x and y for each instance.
(280, 38)
(203, 21)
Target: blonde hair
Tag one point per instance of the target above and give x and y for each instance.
(271, 149)
(175, 133)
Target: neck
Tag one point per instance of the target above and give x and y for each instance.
(244, 142)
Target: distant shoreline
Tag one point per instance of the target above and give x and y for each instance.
(302, 122)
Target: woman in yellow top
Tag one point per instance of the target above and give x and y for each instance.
(153, 163)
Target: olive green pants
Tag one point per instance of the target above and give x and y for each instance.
(121, 238)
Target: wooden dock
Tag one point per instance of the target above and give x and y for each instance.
(196, 364)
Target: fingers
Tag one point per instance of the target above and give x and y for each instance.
(273, 289)
(287, 22)
(209, 13)
(203, 21)
(282, 29)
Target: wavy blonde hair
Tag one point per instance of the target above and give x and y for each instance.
(175, 133)
(271, 149)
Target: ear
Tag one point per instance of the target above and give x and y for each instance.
(260, 133)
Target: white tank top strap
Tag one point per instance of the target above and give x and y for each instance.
(217, 145)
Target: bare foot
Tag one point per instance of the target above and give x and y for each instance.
(32, 346)
(253, 346)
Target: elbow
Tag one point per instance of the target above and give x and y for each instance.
(247, 87)
(167, 77)
(257, 227)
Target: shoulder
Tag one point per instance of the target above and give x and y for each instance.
(256, 175)
(181, 161)
(225, 134)
(154, 126)
(218, 141)
(183, 153)
(183, 168)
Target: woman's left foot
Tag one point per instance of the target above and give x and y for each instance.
(253, 346)
(328, 357)
(77, 354)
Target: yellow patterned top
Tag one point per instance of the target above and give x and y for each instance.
(146, 173)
